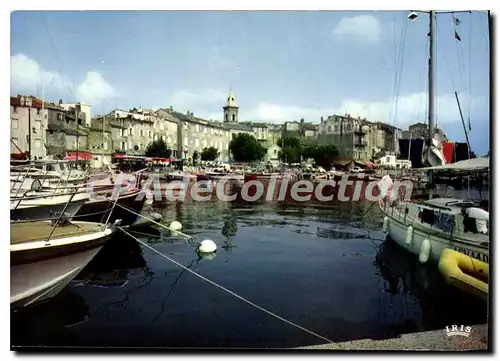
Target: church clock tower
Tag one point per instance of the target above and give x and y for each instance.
(230, 109)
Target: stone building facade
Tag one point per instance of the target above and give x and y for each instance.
(23, 111)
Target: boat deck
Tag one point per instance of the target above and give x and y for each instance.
(24, 232)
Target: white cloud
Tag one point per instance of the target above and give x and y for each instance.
(362, 27)
(204, 103)
(94, 88)
(411, 108)
(27, 75)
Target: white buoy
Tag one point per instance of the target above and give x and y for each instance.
(175, 226)
(385, 226)
(207, 246)
(425, 251)
(409, 235)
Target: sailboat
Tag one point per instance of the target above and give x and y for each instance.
(426, 228)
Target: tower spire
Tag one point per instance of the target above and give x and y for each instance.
(231, 109)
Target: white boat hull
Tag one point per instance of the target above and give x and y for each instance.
(47, 207)
(36, 282)
(397, 228)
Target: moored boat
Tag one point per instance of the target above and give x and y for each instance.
(44, 205)
(464, 272)
(97, 209)
(46, 257)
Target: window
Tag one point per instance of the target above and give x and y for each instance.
(234, 117)
(130, 131)
(142, 133)
(150, 134)
(124, 146)
(329, 128)
(226, 117)
(388, 159)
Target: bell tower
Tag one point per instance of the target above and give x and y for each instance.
(230, 109)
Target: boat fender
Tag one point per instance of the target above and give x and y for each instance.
(385, 226)
(409, 235)
(425, 251)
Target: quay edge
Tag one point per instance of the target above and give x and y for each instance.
(436, 340)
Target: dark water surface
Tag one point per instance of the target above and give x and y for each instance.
(327, 270)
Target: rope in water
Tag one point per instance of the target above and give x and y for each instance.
(225, 289)
(157, 223)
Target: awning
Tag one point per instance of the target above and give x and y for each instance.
(467, 165)
(160, 159)
(81, 156)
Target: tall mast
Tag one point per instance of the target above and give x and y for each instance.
(103, 140)
(29, 130)
(77, 136)
(431, 76)
(431, 97)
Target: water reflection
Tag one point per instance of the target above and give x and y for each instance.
(229, 230)
(111, 267)
(440, 304)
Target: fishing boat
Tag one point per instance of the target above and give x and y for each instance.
(425, 228)
(45, 256)
(262, 176)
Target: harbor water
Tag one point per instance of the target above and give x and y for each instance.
(329, 270)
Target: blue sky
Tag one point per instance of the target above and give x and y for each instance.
(281, 65)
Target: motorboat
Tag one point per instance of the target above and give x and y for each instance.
(43, 205)
(46, 256)
(98, 208)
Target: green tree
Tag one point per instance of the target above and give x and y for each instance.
(245, 148)
(310, 151)
(290, 155)
(209, 154)
(290, 142)
(158, 148)
(325, 155)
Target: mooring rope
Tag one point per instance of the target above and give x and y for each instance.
(157, 223)
(225, 289)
